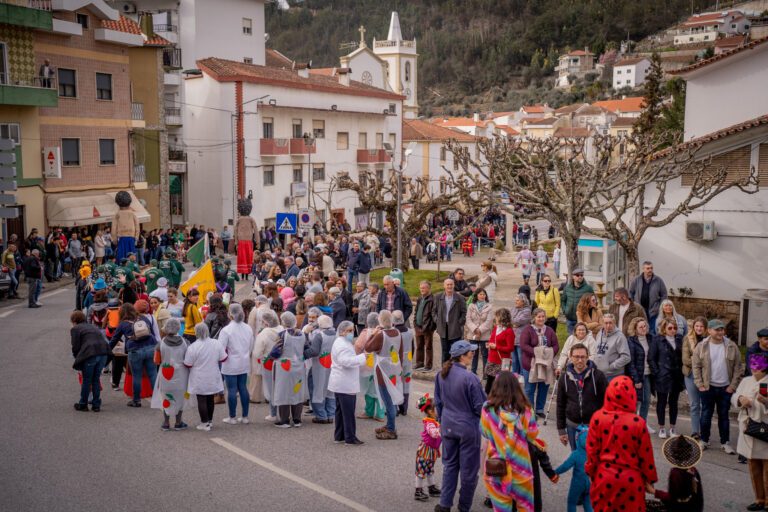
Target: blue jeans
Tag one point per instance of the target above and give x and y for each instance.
(517, 360)
(652, 323)
(326, 409)
(694, 399)
(92, 368)
(142, 359)
(14, 282)
(715, 398)
(389, 407)
(557, 269)
(570, 324)
(571, 432)
(351, 274)
(482, 350)
(235, 385)
(536, 392)
(644, 397)
(140, 255)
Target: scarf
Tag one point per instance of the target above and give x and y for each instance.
(173, 340)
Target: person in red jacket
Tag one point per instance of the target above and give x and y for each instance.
(619, 453)
(532, 336)
(500, 346)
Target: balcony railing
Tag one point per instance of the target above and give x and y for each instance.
(172, 78)
(272, 147)
(137, 111)
(172, 58)
(23, 80)
(173, 115)
(40, 5)
(177, 155)
(165, 28)
(298, 147)
(391, 44)
(372, 156)
(139, 172)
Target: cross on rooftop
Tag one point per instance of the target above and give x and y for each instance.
(362, 35)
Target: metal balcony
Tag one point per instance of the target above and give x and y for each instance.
(139, 173)
(172, 58)
(40, 5)
(29, 90)
(137, 111)
(173, 116)
(177, 155)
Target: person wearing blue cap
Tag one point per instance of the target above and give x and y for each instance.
(459, 399)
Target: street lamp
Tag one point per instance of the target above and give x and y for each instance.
(235, 118)
(399, 172)
(309, 140)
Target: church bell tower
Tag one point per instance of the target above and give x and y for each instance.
(401, 58)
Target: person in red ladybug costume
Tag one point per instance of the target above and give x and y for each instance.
(619, 453)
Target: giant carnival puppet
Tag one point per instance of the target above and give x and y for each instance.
(125, 225)
(246, 234)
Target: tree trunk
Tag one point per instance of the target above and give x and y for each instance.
(633, 262)
(572, 251)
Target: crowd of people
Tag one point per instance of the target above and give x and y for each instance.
(316, 332)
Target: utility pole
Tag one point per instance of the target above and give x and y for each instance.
(308, 142)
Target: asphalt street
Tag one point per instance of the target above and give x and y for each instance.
(57, 459)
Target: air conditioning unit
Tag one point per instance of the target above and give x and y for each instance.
(700, 231)
(126, 7)
(287, 201)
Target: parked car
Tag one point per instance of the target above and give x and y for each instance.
(5, 280)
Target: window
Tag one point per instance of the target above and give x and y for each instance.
(318, 129)
(269, 175)
(106, 151)
(706, 37)
(442, 154)
(103, 86)
(248, 60)
(67, 83)
(628, 82)
(70, 152)
(247, 26)
(269, 128)
(629, 71)
(393, 140)
(82, 20)
(407, 71)
(618, 71)
(362, 173)
(318, 172)
(297, 131)
(380, 175)
(342, 140)
(443, 186)
(362, 140)
(455, 163)
(392, 108)
(379, 140)
(10, 131)
(298, 173)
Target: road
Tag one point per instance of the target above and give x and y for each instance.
(55, 458)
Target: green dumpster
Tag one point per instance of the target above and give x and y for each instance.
(396, 273)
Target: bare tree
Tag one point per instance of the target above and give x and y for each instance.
(418, 202)
(627, 214)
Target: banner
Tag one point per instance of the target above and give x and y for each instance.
(202, 279)
(198, 253)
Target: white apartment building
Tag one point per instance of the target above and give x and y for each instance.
(706, 27)
(271, 162)
(630, 72)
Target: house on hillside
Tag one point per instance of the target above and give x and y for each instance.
(542, 128)
(625, 107)
(707, 26)
(630, 72)
(594, 116)
(576, 62)
(726, 44)
(474, 126)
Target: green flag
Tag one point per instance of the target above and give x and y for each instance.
(198, 253)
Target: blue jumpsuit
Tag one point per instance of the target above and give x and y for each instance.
(459, 401)
(579, 489)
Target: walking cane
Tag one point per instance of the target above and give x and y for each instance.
(551, 399)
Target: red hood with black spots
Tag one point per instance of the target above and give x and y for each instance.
(620, 395)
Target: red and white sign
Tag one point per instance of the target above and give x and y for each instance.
(52, 162)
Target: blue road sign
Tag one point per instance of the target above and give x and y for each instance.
(286, 223)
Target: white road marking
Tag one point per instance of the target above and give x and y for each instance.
(54, 292)
(7, 313)
(290, 476)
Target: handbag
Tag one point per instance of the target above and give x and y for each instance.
(119, 349)
(757, 429)
(496, 468)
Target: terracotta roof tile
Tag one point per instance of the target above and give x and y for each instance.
(224, 70)
(725, 132)
(629, 62)
(542, 121)
(633, 104)
(592, 110)
(622, 122)
(509, 130)
(502, 114)
(157, 41)
(706, 62)
(534, 109)
(457, 121)
(275, 59)
(575, 132)
(122, 24)
(580, 52)
(710, 18)
(567, 109)
(730, 41)
(416, 129)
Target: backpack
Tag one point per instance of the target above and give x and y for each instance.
(113, 320)
(141, 328)
(98, 317)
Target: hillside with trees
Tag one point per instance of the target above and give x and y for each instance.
(497, 53)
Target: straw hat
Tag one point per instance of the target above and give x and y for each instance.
(681, 451)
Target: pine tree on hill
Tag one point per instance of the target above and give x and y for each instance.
(653, 97)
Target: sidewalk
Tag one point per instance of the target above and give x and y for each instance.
(47, 287)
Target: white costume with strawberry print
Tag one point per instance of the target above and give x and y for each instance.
(170, 392)
(388, 363)
(289, 383)
(321, 367)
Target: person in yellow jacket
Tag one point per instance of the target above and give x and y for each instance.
(548, 299)
(191, 314)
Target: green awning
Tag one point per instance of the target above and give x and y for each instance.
(174, 184)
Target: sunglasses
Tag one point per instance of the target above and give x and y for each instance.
(546, 281)
(671, 328)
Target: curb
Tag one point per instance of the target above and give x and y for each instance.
(47, 287)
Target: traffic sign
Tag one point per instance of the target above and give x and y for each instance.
(52, 162)
(7, 158)
(286, 223)
(8, 198)
(306, 218)
(7, 172)
(9, 213)
(452, 215)
(7, 185)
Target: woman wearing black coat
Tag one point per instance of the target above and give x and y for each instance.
(665, 358)
(90, 350)
(639, 342)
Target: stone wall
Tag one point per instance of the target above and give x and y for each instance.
(726, 310)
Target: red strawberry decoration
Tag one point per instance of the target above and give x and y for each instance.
(408, 377)
(269, 364)
(393, 378)
(167, 400)
(167, 371)
(286, 364)
(325, 359)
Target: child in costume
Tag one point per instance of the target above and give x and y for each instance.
(685, 493)
(578, 493)
(428, 451)
(540, 460)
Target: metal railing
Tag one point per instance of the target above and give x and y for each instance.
(172, 57)
(22, 80)
(177, 155)
(173, 115)
(139, 172)
(137, 111)
(40, 5)
(165, 28)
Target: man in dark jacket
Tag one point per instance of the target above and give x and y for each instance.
(364, 270)
(353, 264)
(293, 269)
(90, 350)
(33, 273)
(649, 291)
(460, 285)
(758, 347)
(393, 298)
(449, 314)
(571, 295)
(625, 310)
(338, 307)
(424, 328)
(580, 392)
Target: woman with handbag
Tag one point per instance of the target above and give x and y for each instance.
(665, 358)
(479, 325)
(500, 346)
(751, 399)
(539, 345)
(507, 424)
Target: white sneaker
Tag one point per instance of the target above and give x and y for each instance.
(230, 421)
(204, 426)
(651, 430)
(704, 445)
(271, 418)
(38, 303)
(244, 421)
(662, 433)
(672, 432)
(726, 447)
